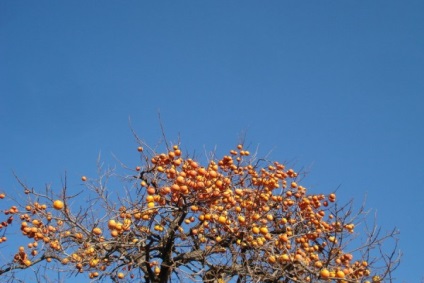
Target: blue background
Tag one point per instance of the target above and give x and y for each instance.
(331, 87)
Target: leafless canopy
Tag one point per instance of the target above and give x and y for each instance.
(171, 219)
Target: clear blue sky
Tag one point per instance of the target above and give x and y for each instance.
(334, 86)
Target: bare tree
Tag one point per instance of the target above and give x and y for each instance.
(173, 219)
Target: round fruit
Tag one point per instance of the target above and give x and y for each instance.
(325, 274)
(222, 219)
(263, 230)
(27, 262)
(255, 230)
(58, 204)
(97, 231)
(83, 178)
(318, 264)
(340, 274)
(272, 259)
(111, 224)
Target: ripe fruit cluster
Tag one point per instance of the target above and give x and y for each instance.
(180, 211)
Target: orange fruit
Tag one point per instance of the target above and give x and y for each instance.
(58, 204)
(121, 275)
(97, 231)
(340, 274)
(150, 204)
(151, 190)
(263, 230)
(325, 274)
(222, 219)
(318, 264)
(111, 224)
(27, 262)
(255, 230)
(284, 257)
(272, 259)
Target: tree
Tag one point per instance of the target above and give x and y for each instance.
(173, 219)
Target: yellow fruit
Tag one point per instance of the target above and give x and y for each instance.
(284, 257)
(325, 274)
(111, 224)
(150, 204)
(272, 259)
(97, 231)
(255, 230)
(121, 275)
(332, 239)
(263, 230)
(58, 204)
(222, 219)
(94, 262)
(340, 274)
(27, 262)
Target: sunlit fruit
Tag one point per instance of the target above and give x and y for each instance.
(284, 257)
(97, 231)
(58, 204)
(83, 178)
(263, 230)
(111, 224)
(94, 262)
(332, 239)
(151, 190)
(324, 273)
(318, 264)
(150, 204)
(222, 219)
(27, 262)
(272, 259)
(121, 275)
(340, 274)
